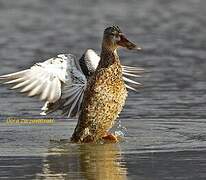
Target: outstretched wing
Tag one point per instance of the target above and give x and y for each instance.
(54, 80)
(61, 81)
(89, 62)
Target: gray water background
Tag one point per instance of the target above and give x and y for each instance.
(164, 124)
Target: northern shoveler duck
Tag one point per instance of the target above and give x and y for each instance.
(105, 93)
(93, 87)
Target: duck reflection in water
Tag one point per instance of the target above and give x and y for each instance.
(85, 161)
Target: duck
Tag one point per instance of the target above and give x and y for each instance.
(92, 88)
(105, 93)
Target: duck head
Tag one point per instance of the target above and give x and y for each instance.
(114, 38)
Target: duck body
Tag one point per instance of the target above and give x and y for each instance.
(104, 99)
(105, 93)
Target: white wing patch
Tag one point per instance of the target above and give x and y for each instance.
(49, 80)
(92, 58)
(42, 79)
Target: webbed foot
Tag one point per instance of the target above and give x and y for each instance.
(109, 137)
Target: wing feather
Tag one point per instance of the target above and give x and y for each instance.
(14, 75)
(22, 84)
(75, 103)
(72, 96)
(131, 81)
(43, 79)
(18, 80)
(30, 86)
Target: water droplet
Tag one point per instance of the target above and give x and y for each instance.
(120, 130)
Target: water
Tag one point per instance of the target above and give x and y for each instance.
(164, 124)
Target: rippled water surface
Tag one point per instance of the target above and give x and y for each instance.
(163, 124)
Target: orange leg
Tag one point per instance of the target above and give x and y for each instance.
(109, 137)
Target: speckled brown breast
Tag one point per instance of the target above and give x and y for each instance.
(104, 99)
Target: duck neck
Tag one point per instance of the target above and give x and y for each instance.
(107, 57)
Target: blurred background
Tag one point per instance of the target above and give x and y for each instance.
(164, 124)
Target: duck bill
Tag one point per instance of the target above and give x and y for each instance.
(124, 42)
